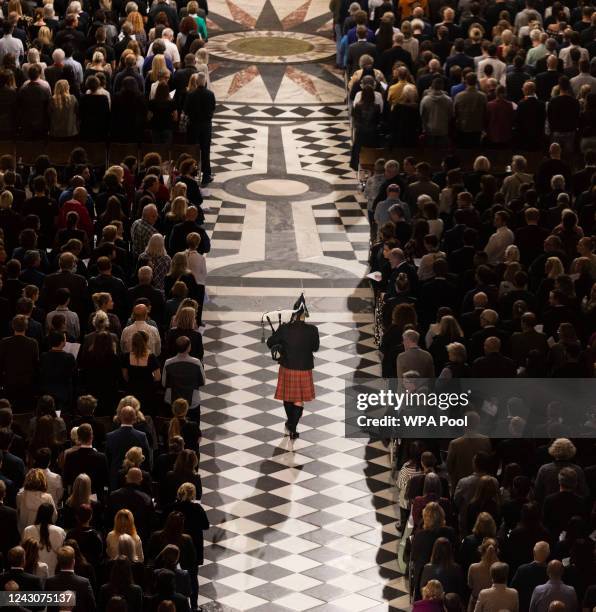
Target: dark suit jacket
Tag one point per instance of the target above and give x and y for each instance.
(356, 51)
(559, 508)
(118, 442)
(26, 582)
(79, 300)
(524, 342)
(86, 461)
(155, 296)
(9, 534)
(177, 241)
(299, 340)
(545, 81)
(19, 357)
(477, 341)
(389, 57)
(137, 501)
(529, 123)
(115, 287)
(69, 581)
(493, 365)
(526, 579)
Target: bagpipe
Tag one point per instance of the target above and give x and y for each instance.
(282, 317)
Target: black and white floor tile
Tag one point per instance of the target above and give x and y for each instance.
(308, 525)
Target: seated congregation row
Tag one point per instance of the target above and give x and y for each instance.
(484, 72)
(101, 302)
(111, 75)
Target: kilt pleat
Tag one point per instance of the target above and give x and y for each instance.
(294, 385)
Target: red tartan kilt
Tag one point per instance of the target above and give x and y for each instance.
(294, 385)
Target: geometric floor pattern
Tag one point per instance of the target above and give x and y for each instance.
(308, 525)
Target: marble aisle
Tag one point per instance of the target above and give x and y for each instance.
(308, 525)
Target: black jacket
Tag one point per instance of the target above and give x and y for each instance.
(87, 461)
(299, 341)
(137, 501)
(69, 581)
(199, 106)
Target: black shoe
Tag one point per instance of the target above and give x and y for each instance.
(294, 435)
(206, 181)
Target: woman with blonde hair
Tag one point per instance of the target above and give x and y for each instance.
(81, 494)
(432, 598)
(181, 426)
(179, 271)
(479, 573)
(185, 324)
(141, 370)
(33, 59)
(135, 458)
(202, 64)
(553, 268)
(156, 257)
(44, 36)
(410, 44)
(196, 520)
(33, 494)
(176, 211)
(158, 67)
(124, 523)
(449, 332)
(433, 528)
(63, 110)
(508, 283)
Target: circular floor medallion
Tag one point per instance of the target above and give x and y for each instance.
(271, 47)
(277, 187)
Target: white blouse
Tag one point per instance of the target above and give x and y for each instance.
(57, 537)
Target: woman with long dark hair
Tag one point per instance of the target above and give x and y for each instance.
(162, 115)
(128, 113)
(443, 568)
(140, 370)
(367, 115)
(185, 470)
(99, 369)
(49, 537)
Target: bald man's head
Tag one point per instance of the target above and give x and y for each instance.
(555, 150)
(554, 570)
(80, 195)
(541, 551)
(140, 312)
(552, 62)
(480, 300)
(134, 476)
(492, 345)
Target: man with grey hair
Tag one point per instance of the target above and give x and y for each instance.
(560, 507)
(392, 177)
(144, 290)
(414, 357)
(171, 50)
(199, 107)
(142, 229)
(395, 54)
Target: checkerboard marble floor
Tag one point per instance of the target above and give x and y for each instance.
(304, 525)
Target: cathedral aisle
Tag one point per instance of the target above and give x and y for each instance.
(310, 524)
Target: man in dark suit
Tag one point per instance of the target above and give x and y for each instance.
(494, 364)
(437, 292)
(13, 466)
(32, 106)
(527, 340)
(530, 575)
(66, 278)
(359, 48)
(181, 230)
(560, 507)
(528, 123)
(9, 534)
(489, 320)
(15, 570)
(519, 292)
(515, 80)
(144, 289)
(582, 179)
(66, 580)
(181, 77)
(106, 282)
(118, 442)
(84, 459)
(171, 13)
(557, 313)
(470, 321)
(19, 358)
(396, 54)
(530, 238)
(131, 496)
(545, 81)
